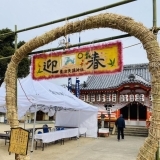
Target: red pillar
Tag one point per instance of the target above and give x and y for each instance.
(118, 113)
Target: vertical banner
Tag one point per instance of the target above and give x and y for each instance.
(77, 87)
(70, 84)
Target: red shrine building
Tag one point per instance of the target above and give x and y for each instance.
(128, 92)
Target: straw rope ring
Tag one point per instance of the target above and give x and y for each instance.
(105, 20)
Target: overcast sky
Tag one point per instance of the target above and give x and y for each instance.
(27, 13)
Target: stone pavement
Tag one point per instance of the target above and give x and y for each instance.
(82, 149)
(110, 149)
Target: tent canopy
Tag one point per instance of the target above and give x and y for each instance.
(43, 95)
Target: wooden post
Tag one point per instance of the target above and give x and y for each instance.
(15, 46)
(158, 152)
(155, 32)
(129, 112)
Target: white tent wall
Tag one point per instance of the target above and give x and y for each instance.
(89, 120)
(67, 118)
(80, 119)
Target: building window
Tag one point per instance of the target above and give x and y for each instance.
(83, 97)
(98, 97)
(131, 97)
(121, 98)
(92, 97)
(87, 98)
(150, 97)
(141, 97)
(126, 97)
(103, 98)
(108, 98)
(137, 97)
(114, 97)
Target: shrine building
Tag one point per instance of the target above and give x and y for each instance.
(128, 92)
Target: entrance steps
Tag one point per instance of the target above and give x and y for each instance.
(135, 131)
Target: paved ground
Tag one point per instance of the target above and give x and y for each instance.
(83, 149)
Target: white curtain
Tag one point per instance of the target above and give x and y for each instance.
(80, 119)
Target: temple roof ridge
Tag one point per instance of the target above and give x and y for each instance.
(137, 72)
(135, 66)
(135, 79)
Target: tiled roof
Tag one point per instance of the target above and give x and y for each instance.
(140, 74)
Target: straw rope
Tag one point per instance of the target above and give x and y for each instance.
(126, 24)
(21, 157)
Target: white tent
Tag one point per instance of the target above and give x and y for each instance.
(29, 94)
(49, 97)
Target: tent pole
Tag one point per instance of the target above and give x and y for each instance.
(35, 114)
(78, 127)
(25, 120)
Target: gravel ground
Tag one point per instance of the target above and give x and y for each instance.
(82, 149)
